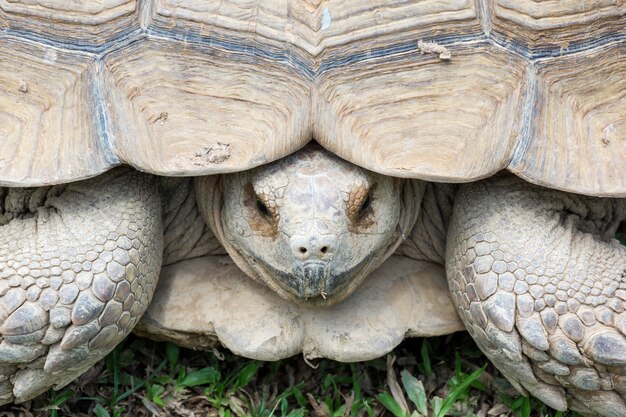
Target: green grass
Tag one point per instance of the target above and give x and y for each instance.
(444, 376)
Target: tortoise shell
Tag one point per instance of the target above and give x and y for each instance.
(197, 87)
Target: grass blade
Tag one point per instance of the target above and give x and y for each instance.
(245, 375)
(390, 404)
(458, 391)
(99, 411)
(415, 390)
(424, 352)
(172, 352)
(200, 377)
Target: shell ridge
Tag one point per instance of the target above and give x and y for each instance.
(102, 119)
(240, 50)
(527, 131)
(119, 39)
(554, 52)
(397, 50)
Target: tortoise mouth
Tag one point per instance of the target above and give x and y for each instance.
(314, 283)
(312, 279)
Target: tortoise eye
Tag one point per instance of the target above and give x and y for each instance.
(259, 203)
(262, 207)
(262, 216)
(365, 204)
(360, 202)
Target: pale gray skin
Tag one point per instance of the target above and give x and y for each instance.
(78, 266)
(534, 272)
(311, 226)
(541, 286)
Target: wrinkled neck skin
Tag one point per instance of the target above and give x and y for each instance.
(310, 226)
(427, 240)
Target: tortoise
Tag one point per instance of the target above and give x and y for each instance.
(479, 142)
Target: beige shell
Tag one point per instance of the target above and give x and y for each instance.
(404, 298)
(202, 87)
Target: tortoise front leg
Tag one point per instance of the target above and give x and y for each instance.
(78, 266)
(541, 286)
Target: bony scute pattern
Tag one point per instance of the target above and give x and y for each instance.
(77, 271)
(541, 292)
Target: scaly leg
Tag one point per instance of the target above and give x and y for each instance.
(541, 287)
(78, 266)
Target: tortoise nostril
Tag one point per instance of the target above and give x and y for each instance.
(313, 247)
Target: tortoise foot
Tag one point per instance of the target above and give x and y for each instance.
(540, 287)
(78, 266)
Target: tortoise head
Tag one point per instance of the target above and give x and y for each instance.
(311, 226)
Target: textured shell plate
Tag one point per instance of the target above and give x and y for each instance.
(404, 298)
(197, 87)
